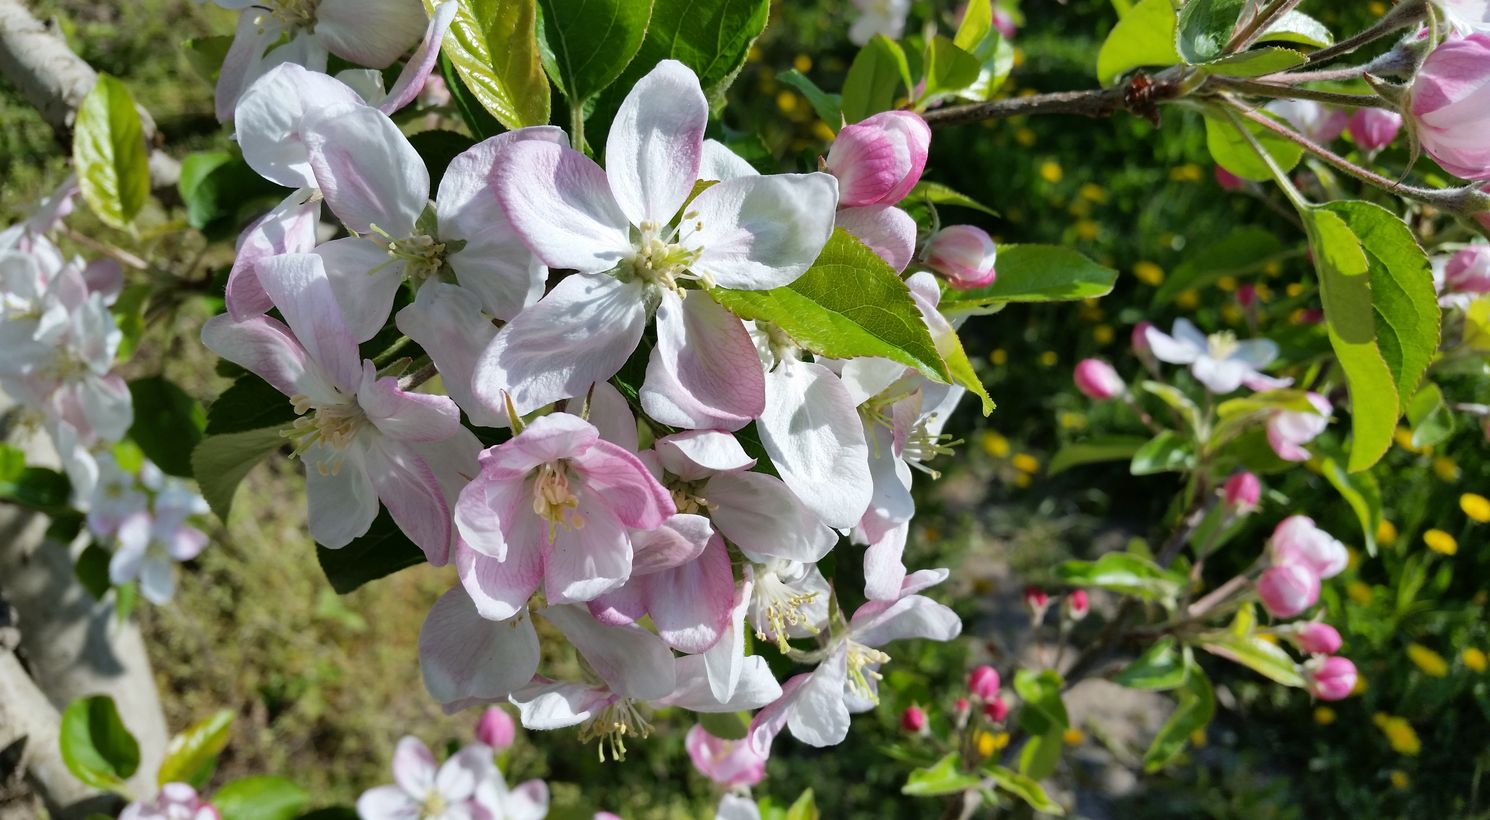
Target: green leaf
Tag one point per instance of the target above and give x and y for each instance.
(1244, 251)
(260, 798)
(96, 746)
(977, 22)
(949, 69)
(878, 75)
(725, 725)
(1267, 659)
(129, 316)
(829, 107)
(805, 807)
(1432, 421)
(1093, 451)
(1168, 452)
(125, 598)
(1160, 668)
(1197, 705)
(1145, 36)
(942, 778)
(205, 54)
(1036, 273)
(936, 193)
(220, 462)
(249, 404)
(1025, 788)
(1298, 28)
(482, 124)
(167, 425)
(92, 570)
(849, 303)
(1041, 754)
(437, 148)
(592, 42)
(108, 151)
(1233, 152)
(1363, 495)
(380, 552)
(1205, 27)
(1256, 63)
(493, 45)
(191, 755)
(217, 187)
(1270, 401)
(38, 488)
(1043, 710)
(1171, 396)
(1125, 574)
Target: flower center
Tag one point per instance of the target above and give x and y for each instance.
(660, 262)
(922, 446)
(1221, 345)
(433, 806)
(773, 344)
(688, 496)
(294, 14)
(332, 428)
(780, 607)
(422, 255)
(612, 725)
(862, 667)
(554, 500)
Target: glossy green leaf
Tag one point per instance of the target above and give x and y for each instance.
(1362, 493)
(960, 368)
(1233, 152)
(220, 190)
(191, 755)
(1256, 63)
(1036, 273)
(1025, 788)
(1205, 27)
(493, 45)
(219, 463)
(1125, 574)
(482, 124)
(38, 488)
(945, 777)
(1196, 707)
(380, 552)
(1168, 452)
(936, 193)
(803, 808)
(108, 152)
(92, 570)
(1250, 650)
(1093, 451)
(849, 303)
(949, 69)
(976, 23)
(167, 423)
(592, 42)
(829, 107)
(1042, 754)
(878, 76)
(1159, 669)
(1176, 400)
(1042, 709)
(96, 745)
(1298, 28)
(260, 798)
(725, 725)
(1431, 419)
(1243, 252)
(250, 403)
(1145, 36)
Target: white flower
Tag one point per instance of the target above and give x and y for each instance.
(1219, 361)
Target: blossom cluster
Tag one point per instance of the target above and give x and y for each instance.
(651, 522)
(147, 515)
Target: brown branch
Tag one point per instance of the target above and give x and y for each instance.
(1096, 103)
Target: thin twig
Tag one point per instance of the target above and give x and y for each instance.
(418, 377)
(1095, 103)
(1403, 15)
(1261, 89)
(119, 255)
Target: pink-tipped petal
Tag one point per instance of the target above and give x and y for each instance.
(367, 170)
(466, 658)
(446, 321)
(704, 372)
(373, 33)
(560, 203)
(887, 230)
(411, 79)
(694, 621)
(655, 144)
(298, 286)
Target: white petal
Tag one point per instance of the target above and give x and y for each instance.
(633, 661)
(342, 505)
(560, 203)
(366, 168)
(466, 658)
(268, 119)
(704, 372)
(757, 233)
(812, 432)
(763, 517)
(446, 321)
(365, 280)
(720, 163)
(655, 144)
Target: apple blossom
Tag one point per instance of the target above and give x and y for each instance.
(176, 801)
(1317, 638)
(885, 17)
(423, 790)
(1076, 604)
(1331, 678)
(1466, 16)
(996, 710)
(788, 600)
(983, 683)
(1450, 105)
(495, 801)
(1097, 379)
(1242, 491)
(147, 547)
(879, 160)
(1219, 361)
(496, 728)
(1229, 181)
(1296, 540)
(1374, 128)
(885, 229)
(729, 763)
(1289, 430)
(913, 720)
(1468, 270)
(963, 255)
(1318, 122)
(1288, 589)
(1036, 601)
(737, 807)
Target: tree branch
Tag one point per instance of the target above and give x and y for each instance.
(1095, 103)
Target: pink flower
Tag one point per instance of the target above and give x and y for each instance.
(1097, 379)
(887, 230)
(963, 255)
(496, 728)
(1229, 181)
(1331, 678)
(729, 763)
(1288, 589)
(879, 160)
(1242, 491)
(422, 789)
(996, 710)
(1035, 601)
(1139, 341)
(983, 683)
(1318, 638)
(1468, 270)
(1289, 430)
(1318, 122)
(1246, 295)
(913, 720)
(1077, 605)
(1004, 22)
(1450, 102)
(176, 801)
(1298, 541)
(1374, 128)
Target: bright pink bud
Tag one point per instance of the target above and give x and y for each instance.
(1097, 380)
(1288, 590)
(913, 719)
(1077, 604)
(1331, 678)
(1246, 295)
(1140, 340)
(1229, 181)
(496, 728)
(983, 683)
(1298, 541)
(1242, 491)
(996, 710)
(1451, 105)
(1310, 316)
(1004, 22)
(1468, 271)
(1374, 128)
(879, 160)
(963, 255)
(1318, 638)
(961, 706)
(1036, 600)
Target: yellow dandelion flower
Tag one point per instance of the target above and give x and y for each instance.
(754, 55)
(1324, 715)
(802, 63)
(931, 535)
(1272, 268)
(1187, 299)
(1198, 739)
(1231, 314)
(1070, 420)
(1380, 719)
(1025, 137)
(823, 131)
(1094, 192)
(1440, 542)
(1400, 781)
(994, 444)
(1376, 7)
(1226, 283)
(1088, 230)
(1432, 663)
(1050, 171)
(1446, 469)
(1080, 208)
(1293, 289)
(999, 356)
(1149, 273)
(1403, 437)
(1402, 737)
(786, 101)
(1103, 334)
(1476, 506)
(1352, 557)
(1048, 358)
(1026, 463)
(1475, 659)
(1359, 592)
(1360, 685)
(1386, 532)
(1073, 736)
(984, 741)
(1023, 480)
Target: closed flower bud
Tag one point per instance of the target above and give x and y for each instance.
(1331, 678)
(496, 728)
(1246, 295)
(1077, 605)
(1097, 380)
(1036, 601)
(913, 719)
(1450, 104)
(1298, 541)
(879, 160)
(1318, 638)
(1229, 181)
(1288, 590)
(1374, 128)
(1468, 271)
(1140, 341)
(983, 683)
(1242, 491)
(963, 255)
(996, 710)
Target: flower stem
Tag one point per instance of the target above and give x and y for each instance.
(1402, 16)
(1256, 88)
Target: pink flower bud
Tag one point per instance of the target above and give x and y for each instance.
(1468, 271)
(1374, 128)
(1288, 590)
(1331, 678)
(1310, 316)
(1097, 380)
(913, 720)
(1077, 605)
(1318, 122)
(1242, 491)
(1450, 104)
(961, 707)
(1246, 295)
(1229, 181)
(1004, 22)
(1036, 600)
(963, 255)
(996, 710)
(879, 160)
(1318, 638)
(496, 728)
(435, 93)
(1298, 541)
(983, 683)
(1139, 341)
(729, 763)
